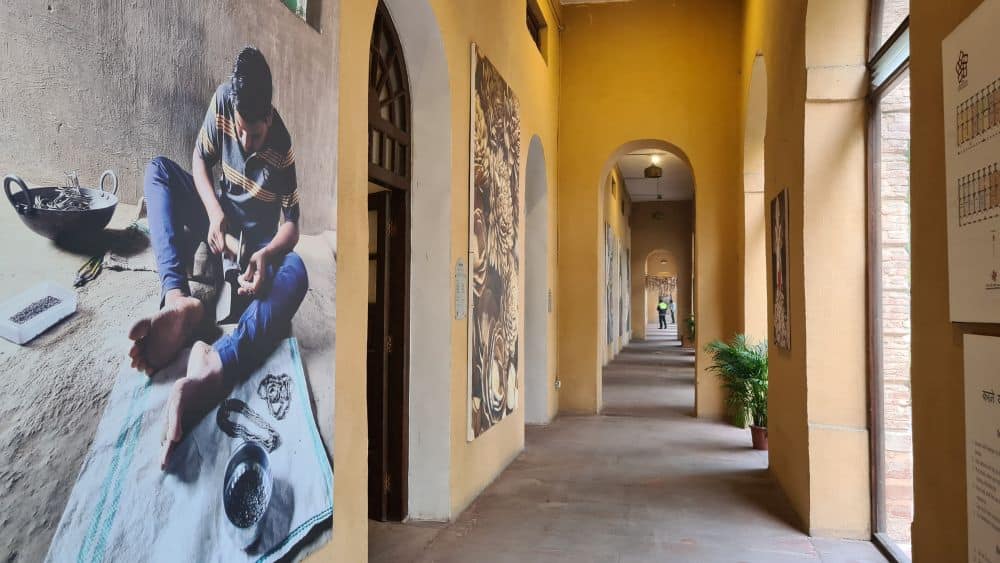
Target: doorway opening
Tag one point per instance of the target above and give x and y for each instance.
(389, 149)
(661, 271)
(755, 230)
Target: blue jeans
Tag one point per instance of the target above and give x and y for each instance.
(177, 224)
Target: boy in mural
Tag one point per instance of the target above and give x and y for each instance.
(244, 133)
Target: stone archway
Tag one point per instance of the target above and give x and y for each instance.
(536, 316)
(429, 440)
(679, 221)
(660, 263)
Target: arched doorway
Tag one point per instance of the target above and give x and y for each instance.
(537, 309)
(661, 269)
(755, 231)
(662, 209)
(389, 149)
(427, 432)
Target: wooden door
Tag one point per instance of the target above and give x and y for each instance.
(387, 357)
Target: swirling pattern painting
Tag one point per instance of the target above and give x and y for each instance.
(779, 271)
(494, 248)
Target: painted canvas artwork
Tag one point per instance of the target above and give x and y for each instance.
(779, 271)
(626, 291)
(609, 262)
(494, 247)
(622, 291)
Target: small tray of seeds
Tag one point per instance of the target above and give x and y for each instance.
(32, 312)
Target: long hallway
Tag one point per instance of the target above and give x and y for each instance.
(644, 481)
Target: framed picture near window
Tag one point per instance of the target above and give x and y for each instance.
(781, 332)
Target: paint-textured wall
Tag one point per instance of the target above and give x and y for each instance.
(665, 226)
(107, 84)
(685, 56)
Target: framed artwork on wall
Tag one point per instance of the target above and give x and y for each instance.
(494, 248)
(781, 331)
(609, 262)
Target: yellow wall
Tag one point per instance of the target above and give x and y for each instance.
(671, 233)
(350, 491)
(754, 225)
(755, 266)
(817, 426)
(654, 48)
(499, 30)
(940, 525)
(776, 29)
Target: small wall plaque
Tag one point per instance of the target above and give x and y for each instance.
(461, 290)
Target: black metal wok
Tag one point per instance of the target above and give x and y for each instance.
(58, 224)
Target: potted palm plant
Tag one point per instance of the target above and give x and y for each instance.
(742, 366)
(688, 338)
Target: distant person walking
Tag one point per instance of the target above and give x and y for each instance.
(672, 306)
(661, 311)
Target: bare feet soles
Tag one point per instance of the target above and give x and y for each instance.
(157, 339)
(194, 395)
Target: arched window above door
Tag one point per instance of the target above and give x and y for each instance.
(388, 107)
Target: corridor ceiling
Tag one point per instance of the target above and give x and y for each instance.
(675, 185)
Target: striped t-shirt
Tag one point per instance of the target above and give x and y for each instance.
(254, 186)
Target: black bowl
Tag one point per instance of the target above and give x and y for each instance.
(62, 224)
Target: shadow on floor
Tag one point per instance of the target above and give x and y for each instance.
(643, 481)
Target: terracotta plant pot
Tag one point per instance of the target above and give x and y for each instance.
(758, 434)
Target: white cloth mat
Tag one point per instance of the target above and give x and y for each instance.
(124, 508)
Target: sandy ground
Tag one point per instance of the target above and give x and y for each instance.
(53, 389)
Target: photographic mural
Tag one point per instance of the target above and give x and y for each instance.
(621, 290)
(493, 245)
(609, 261)
(779, 270)
(628, 293)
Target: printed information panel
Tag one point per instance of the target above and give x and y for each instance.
(971, 59)
(982, 446)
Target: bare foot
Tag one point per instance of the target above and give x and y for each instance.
(192, 396)
(160, 337)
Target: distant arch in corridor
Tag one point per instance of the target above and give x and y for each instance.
(652, 266)
(641, 248)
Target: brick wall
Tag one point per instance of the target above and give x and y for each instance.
(895, 217)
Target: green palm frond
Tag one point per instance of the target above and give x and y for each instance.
(742, 366)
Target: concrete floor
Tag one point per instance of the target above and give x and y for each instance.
(644, 481)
